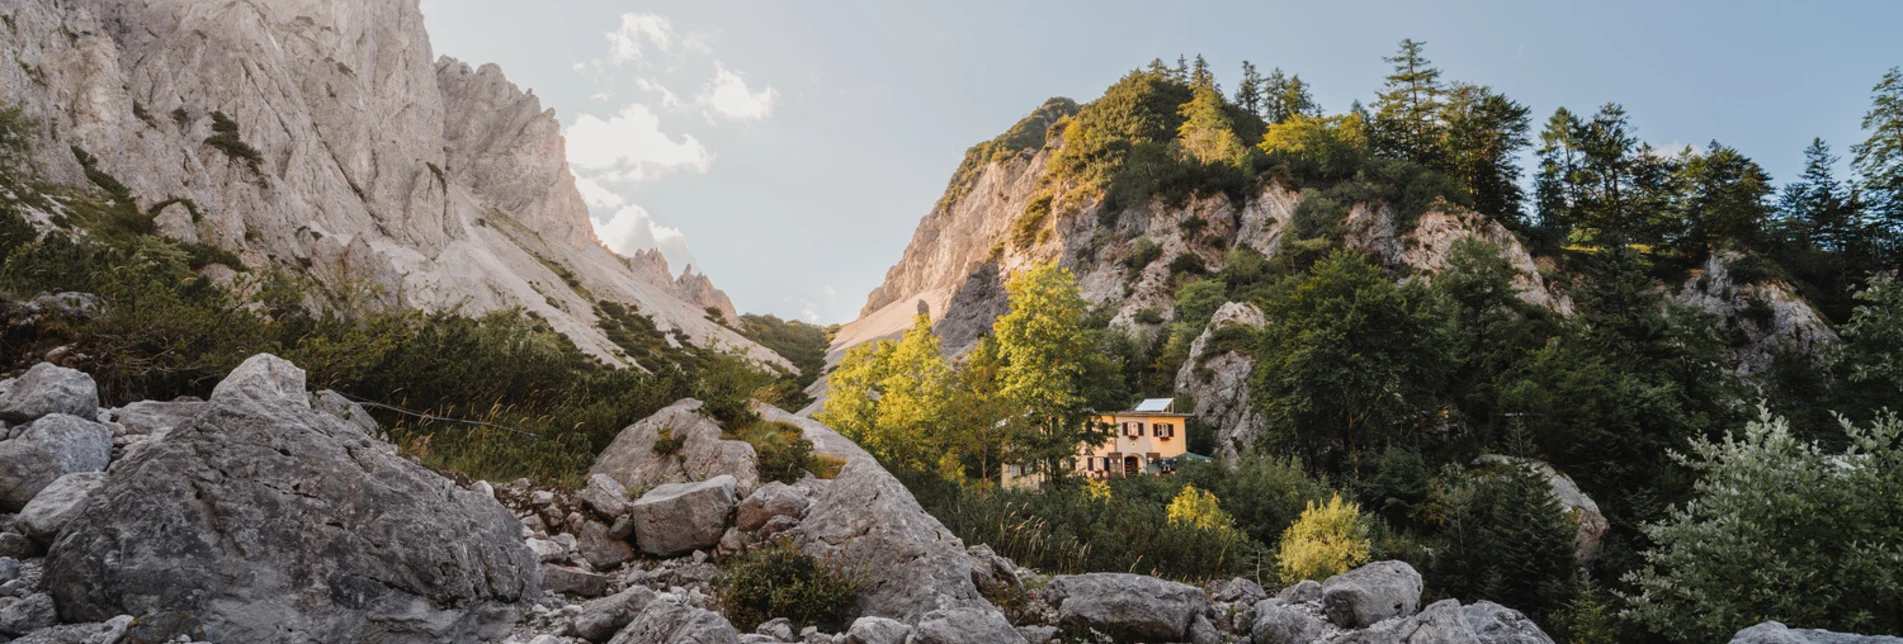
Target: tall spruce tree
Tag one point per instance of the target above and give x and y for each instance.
(1407, 110)
(1727, 200)
(1201, 78)
(1817, 208)
(1485, 132)
(1879, 164)
(1249, 90)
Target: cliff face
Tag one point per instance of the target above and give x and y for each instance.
(324, 134)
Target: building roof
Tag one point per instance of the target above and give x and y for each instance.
(1155, 404)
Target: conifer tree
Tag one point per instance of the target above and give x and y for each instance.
(1407, 110)
(1201, 78)
(1879, 164)
(1182, 69)
(1249, 90)
(1817, 207)
(1726, 200)
(1485, 132)
(1285, 97)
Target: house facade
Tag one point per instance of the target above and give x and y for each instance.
(1144, 441)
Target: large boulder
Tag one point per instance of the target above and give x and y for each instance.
(601, 618)
(1278, 622)
(775, 499)
(1130, 608)
(666, 620)
(909, 563)
(58, 504)
(1371, 593)
(700, 453)
(965, 626)
(49, 389)
(1778, 633)
(264, 520)
(1447, 622)
(51, 447)
(1592, 525)
(679, 518)
(605, 496)
(149, 417)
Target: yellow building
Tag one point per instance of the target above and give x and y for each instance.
(1146, 440)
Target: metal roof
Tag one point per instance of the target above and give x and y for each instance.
(1155, 404)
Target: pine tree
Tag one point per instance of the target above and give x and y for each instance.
(1201, 78)
(1207, 133)
(1182, 69)
(1407, 111)
(1485, 132)
(1879, 164)
(1157, 67)
(1727, 200)
(1817, 207)
(1557, 186)
(1249, 91)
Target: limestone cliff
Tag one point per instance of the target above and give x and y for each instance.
(325, 134)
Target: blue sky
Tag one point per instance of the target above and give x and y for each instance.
(789, 149)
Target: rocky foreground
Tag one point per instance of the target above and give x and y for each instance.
(269, 513)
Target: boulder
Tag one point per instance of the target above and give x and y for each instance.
(1277, 622)
(1447, 622)
(148, 417)
(51, 447)
(335, 404)
(1496, 624)
(877, 630)
(910, 564)
(600, 550)
(992, 573)
(666, 620)
(265, 520)
(775, 499)
(58, 504)
(48, 389)
(679, 518)
(1238, 591)
(701, 454)
(1217, 377)
(567, 580)
(601, 618)
(1777, 633)
(112, 631)
(19, 616)
(965, 626)
(16, 545)
(776, 527)
(1130, 608)
(1306, 590)
(605, 496)
(1371, 593)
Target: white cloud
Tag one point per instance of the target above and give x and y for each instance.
(625, 43)
(630, 229)
(669, 99)
(729, 95)
(598, 196)
(809, 312)
(630, 146)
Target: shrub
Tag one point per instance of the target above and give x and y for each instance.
(667, 444)
(1199, 509)
(777, 580)
(1029, 227)
(1328, 540)
(225, 137)
(781, 450)
(1143, 253)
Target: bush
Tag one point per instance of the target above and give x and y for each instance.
(225, 137)
(781, 450)
(777, 580)
(1029, 227)
(1328, 540)
(667, 444)
(1503, 537)
(1143, 253)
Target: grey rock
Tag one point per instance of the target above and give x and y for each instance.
(48, 389)
(1128, 607)
(1276, 622)
(756, 638)
(910, 563)
(1306, 590)
(775, 499)
(263, 378)
(601, 618)
(547, 550)
(1202, 631)
(679, 518)
(111, 631)
(51, 447)
(16, 545)
(1371, 593)
(778, 628)
(775, 527)
(965, 626)
(149, 417)
(567, 580)
(600, 550)
(666, 620)
(335, 404)
(69, 304)
(28, 614)
(877, 630)
(1035, 634)
(58, 504)
(1496, 624)
(265, 520)
(1778, 633)
(1767, 317)
(1447, 622)
(1219, 382)
(631, 459)
(9, 569)
(1238, 591)
(622, 528)
(604, 495)
(992, 573)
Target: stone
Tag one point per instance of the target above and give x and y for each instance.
(1371, 593)
(333, 537)
(112, 631)
(666, 620)
(877, 630)
(775, 499)
(702, 454)
(1276, 622)
(49, 389)
(1036, 634)
(70, 304)
(1448, 622)
(1203, 631)
(778, 628)
(1778, 633)
(993, 574)
(1496, 624)
(622, 528)
(28, 614)
(568, 580)
(58, 504)
(335, 404)
(1306, 590)
(601, 551)
(148, 417)
(965, 626)
(911, 564)
(775, 527)
(541, 498)
(9, 569)
(51, 447)
(1238, 591)
(601, 618)
(605, 496)
(1128, 607)
(13, 544)
(483, 488)
(547, 550)
(679, 518)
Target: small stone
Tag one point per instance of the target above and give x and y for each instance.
(779, 628)
(600, 550)
(24, 616)
(879, 630)
(566, 580)
(599, 619)
(483, 488)
(1306, 590)
(605, 496)
(16, 545)
(541, 498)
(623, 528)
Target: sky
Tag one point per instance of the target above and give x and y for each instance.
(788, 149)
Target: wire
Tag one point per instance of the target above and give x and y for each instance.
(433, 417)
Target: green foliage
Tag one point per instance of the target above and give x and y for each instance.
(1200, 509)
(800, 343)
(1026, 136)
(1038, 343)
(1029, 227)
(781, 450)
(1328, 539)
(225, 137)
(1143, 253)
(777, 580)
(1265, 494)
(667, 444)
(1780, 530)
(1504, 537)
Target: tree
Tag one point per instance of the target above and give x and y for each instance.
(1039, 345)
(1503, 536)
(1485, 132)
(1407, 110)
(1287, 97)
(1870, 358)
(1557, 186)
(1493, 331)
(1249, 91)
(1598, 184)
(1200, 509)
(1879, 164)
(1207, 133)
(912, 427)
(1326, 148)
(1818, 207)
(1182, 69)
(1779, 529)
(1329, 539)
(1201, 78)
(1727, 199)
(853, 390)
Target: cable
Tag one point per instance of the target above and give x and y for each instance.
(432, 417)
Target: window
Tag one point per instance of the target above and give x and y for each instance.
(1139, 433)
(1165, 430)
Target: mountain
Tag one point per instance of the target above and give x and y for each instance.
(326, 137)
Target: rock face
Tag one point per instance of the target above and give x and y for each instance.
(632, 458)
(51, 447)
(1371, 593)
(1131, 608)
(48, 389)
(867, 521)
(679, 518)
(265, 520)
(1580, 509)
(1759, 318)
(1777, 633)
(1220, 382)
(150, 417)
(414, 181)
